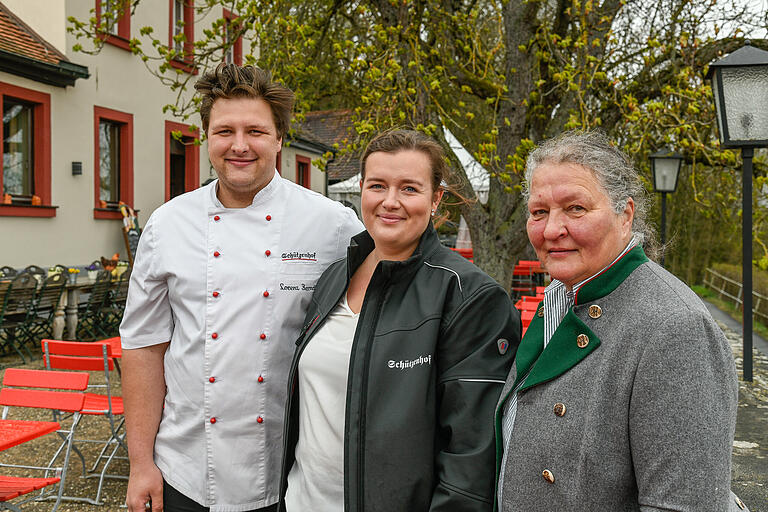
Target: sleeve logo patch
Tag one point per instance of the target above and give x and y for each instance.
(503, 346)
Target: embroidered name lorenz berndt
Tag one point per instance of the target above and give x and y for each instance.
(299, 256)
(407, 365)
(297, 287)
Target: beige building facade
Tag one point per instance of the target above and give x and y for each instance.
(73, 151)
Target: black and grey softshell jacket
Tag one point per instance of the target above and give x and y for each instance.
(434, 342)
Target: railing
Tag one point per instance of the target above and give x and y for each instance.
(733, 290)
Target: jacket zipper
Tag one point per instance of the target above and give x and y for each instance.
(364, 396)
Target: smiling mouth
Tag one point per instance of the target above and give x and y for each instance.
(389, 219)
(236, 161)
(560, 252)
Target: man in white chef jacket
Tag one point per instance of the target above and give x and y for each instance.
(221, 281)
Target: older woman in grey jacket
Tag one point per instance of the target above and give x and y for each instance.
(623, 393)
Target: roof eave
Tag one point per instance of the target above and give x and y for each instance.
(298, 142)
(60, 75)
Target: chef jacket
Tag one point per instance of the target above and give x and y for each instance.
(229, 289)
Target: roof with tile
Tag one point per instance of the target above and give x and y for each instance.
(333, 127)
(17, 37)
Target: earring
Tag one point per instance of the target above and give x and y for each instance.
(433, 213)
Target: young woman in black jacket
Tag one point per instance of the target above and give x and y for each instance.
(402, 358)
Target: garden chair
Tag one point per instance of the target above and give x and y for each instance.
(13, 317)
(522, 281)
(61, 392)
(34, 269)
(90, 314)
(93, 357)
(115, 307)
(39, 323)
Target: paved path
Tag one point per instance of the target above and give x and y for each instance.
(750, 446)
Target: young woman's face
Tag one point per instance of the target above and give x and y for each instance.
(398, 200)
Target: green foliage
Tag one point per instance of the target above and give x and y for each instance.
(503, 75)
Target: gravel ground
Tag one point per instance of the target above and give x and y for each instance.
(750, 454)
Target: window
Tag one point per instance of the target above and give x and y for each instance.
(109, 162)
(182, 160)
(113, 162)
(26, 149)
(234, 53)
(114, 19)
(181, 34)
(303, 166)
(18, 143)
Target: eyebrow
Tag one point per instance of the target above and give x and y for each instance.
(369, 177)
(225, 124)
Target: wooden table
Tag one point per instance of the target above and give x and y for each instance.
(16, 432)
(66, 313)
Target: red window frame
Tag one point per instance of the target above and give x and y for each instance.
(237, 47)
(191, 156)
(185, 63)
(41, 152)
(125, 121)
(123, 36)
(304, 160)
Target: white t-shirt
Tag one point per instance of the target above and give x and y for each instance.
(316, 480)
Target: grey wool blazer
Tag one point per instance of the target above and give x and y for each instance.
(631, 406)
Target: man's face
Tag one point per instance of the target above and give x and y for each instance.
(242, 147)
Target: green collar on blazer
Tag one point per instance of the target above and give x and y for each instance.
(562, 352)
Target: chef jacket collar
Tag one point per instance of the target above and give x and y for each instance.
(261, 197)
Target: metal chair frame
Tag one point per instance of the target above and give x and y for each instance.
(59, 392)
(39, 322)
(93, 357)
(90, 314)
(113, 311)
(18, 303)
(34, 269)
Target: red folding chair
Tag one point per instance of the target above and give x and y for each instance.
(61, 392)
(527, 305)
(93, 357)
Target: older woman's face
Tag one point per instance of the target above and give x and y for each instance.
(572, 224)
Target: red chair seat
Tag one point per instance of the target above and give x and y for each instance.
(528, 306)
(14, 486)
(96, 404)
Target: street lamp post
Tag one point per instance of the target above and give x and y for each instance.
(740, 88)
(665, 165)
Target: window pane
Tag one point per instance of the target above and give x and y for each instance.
(109, 12)
(178, 22)
(18, 137)
(109, 161)
(229, 53)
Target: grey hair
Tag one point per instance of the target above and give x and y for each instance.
(612, 168)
